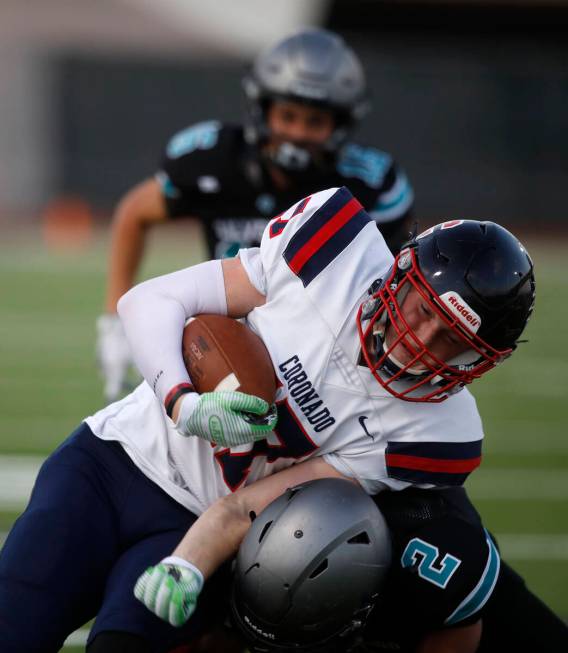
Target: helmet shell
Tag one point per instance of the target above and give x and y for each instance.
(313, 66)
(476, 280)
(310, 566)
(489, 269)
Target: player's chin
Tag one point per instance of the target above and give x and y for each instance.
(400, 357)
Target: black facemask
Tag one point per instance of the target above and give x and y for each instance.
(298, 162)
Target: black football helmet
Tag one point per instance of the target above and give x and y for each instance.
(474, 276)
(310, 568)
(314, 67)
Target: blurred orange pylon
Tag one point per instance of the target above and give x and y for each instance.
(67, 223)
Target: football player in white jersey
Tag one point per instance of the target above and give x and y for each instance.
(372, 389)
(374, 386)
(387, 406)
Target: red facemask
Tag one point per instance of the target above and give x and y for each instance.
(424, 377)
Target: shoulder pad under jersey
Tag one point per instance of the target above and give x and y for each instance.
(313, 232)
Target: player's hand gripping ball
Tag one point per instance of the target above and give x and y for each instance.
(228, 418)
(231, 370)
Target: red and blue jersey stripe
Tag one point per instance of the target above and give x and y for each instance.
(325, 235)
(438, 463)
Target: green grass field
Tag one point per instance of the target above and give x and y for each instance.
(48, 382)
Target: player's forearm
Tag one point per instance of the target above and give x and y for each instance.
(154, 313)
(216, 536)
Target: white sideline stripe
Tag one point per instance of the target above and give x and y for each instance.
(518, 546)
(533, 547)
(518, 484)
(17, 476)
(78, 638)
(18, 473)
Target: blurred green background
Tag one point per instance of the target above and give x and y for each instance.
(49, 381)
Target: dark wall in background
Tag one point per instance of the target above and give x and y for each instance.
(116, 116)
(472, 98)
(481, 127)
(478, 119)
(541, 18)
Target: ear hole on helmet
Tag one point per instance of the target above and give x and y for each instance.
(264, 531)
(318, 570)
(361, 538)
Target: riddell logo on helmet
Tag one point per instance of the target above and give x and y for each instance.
(458, 307)
(259, 630)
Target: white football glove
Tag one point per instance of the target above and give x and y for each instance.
(170, 589)
(226, 418)
(114, 357)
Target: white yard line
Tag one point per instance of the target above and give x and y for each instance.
(18, 473)
(17, 476)
(524, 546)
(78, 638)
(518, 484)
(514, 546)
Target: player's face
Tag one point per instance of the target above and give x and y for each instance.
(428, 327)
(299, 123)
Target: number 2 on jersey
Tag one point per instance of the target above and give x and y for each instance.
(427, 558)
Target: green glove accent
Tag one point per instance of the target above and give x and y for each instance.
(228, 418)
(169, 591)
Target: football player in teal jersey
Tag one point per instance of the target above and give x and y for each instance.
(304, 97)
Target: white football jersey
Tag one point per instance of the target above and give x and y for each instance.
(315, 265)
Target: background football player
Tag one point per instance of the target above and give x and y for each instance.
(303, 97)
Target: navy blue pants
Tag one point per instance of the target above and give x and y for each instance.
(93, 524)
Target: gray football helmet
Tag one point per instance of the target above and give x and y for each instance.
(315, 67)
(310, 569)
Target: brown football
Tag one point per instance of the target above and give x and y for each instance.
(221, 353)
